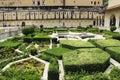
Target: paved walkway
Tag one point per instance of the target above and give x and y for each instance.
(61, 69)
(108, 70)
(13, 63)
(115, 63)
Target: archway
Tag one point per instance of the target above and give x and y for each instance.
(23, 24)
(112, 20)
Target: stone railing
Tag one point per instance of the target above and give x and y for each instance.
(6, 32)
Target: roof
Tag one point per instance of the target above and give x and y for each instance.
(113, 4)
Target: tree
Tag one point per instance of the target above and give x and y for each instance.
(27, 30)
(113, 28)
(41, 28)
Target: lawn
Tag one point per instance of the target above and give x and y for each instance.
(76, 44)
(57, 52)
(107, 43)
(9, 44)
(88, 59)
(114, 52)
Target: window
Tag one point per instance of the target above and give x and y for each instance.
(33, 2)
(98, 2)
(95, 3)
(91, 2)
(38, 2)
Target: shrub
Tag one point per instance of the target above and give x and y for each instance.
(71, 44)
(57, 52)
(114, 52)
(106, 43)
(113, 28)
(41, 28)
(27, 30)
(116, 37)
(115, 74)
(88, 59)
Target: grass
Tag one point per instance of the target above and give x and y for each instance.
(90, 59)
(86, 56)
(77, 43)
(106, 43)
(9, 44)
(57, 52)
(114, 52)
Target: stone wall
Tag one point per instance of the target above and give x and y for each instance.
(6, 32)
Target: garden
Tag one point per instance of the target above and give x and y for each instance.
(81, 60)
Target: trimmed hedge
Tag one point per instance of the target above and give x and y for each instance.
(53, 73)
(40, 39)
(87, 59)
(57, 52)
(76, 44)
(106, 43)
(116, 37)
(114, 52)
(9, 44)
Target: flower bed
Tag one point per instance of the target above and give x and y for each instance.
(27, 70)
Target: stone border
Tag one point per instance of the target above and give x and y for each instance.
(61, 69)
(46, 68)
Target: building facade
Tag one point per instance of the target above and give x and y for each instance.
(112, 14)
(50, 13)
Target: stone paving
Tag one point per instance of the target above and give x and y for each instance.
(61, 69)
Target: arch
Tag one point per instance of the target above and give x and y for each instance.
(112, 20)
(23, 24)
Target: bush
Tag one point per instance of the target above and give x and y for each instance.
(106, 43)
(113, 28)
(114, 52)
(57, 52)
(116, 37)
(88, 59)
(115, 74)
(71, 44)
(27, 30)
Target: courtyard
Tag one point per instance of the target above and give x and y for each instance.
(41, 54)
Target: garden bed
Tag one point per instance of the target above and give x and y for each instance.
(57, 52)
(106, 43)
(92, 59)
(114, 52)
(75, 44)
(26, 70)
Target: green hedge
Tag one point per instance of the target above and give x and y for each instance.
(75, 44)
(53, 72)
(40, 39)
(114, 52)
(106, 43)
(116, 37)
(57, 52)
(87, 59)
(9, 44)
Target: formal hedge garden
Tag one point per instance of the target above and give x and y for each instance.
(82, 60)
(76, 44)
